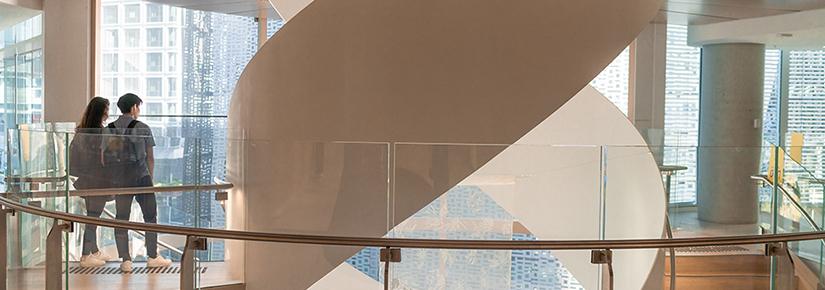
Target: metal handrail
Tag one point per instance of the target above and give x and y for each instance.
(420, 243)
(10, 179)
(120, 191)
(795, 203)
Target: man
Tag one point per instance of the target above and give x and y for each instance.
(130, 158)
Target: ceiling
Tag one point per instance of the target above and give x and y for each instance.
(11, 14)
(673, 11)
(236, 7)
(713, 11)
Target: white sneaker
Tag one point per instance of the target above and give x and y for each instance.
(89, 261)
(101, 256)
(159, 262)
(126, 266)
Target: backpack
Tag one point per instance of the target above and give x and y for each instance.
(84, 156)
(120, 157)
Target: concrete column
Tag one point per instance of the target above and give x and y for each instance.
(730, 131)
(647, 86)
(67, 32)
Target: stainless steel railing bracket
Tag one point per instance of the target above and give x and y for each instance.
(392, 255)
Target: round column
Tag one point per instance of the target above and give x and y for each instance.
(730, 132)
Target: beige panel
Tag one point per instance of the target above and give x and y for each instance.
(66, 58)
(388, 71)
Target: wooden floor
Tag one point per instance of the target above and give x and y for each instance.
(215, 274)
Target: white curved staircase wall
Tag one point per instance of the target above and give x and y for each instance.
(391, 71)
(556, 194)
(563, 202)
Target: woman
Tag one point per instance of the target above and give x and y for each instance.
(86, 163)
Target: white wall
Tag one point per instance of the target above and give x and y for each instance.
(555, 191)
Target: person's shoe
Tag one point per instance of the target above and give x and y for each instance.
(126, 267)
(159, 262)
(89, 261)
(101, 256)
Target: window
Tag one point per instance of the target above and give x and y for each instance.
(131, 62)
(110, 38)
(131, 85)
(172, 36)
(154, 13)
(173, 87)
(132, 37)
(173, 14)
(108, 88)
(131, 13)
(109, 62)
(154, 62)
(173, 62)
(109, 14)
(154, 109)
(154, 37)
(171, 109)
(153, 88)
(682, 111)
(613, 81)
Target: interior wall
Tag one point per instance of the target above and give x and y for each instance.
(67, 33)
(554, 191)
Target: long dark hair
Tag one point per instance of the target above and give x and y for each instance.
(93, 116)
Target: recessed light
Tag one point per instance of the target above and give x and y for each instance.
(786, 35)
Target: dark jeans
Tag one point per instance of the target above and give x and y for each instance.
(94, 208)
(148, 205)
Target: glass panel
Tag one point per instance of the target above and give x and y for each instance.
(480, 269)
(495, 192)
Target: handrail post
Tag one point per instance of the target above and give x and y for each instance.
(4, 240)
(604, 257)
(187, 262)
(389, 255)
(54, 254)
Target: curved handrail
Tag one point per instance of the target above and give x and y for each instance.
(420, 243)
(795, 202)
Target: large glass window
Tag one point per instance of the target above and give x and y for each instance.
(189, 58)
(154, 37)
(682, 111)
(806, 108)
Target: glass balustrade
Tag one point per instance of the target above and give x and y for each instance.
(468, 192)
